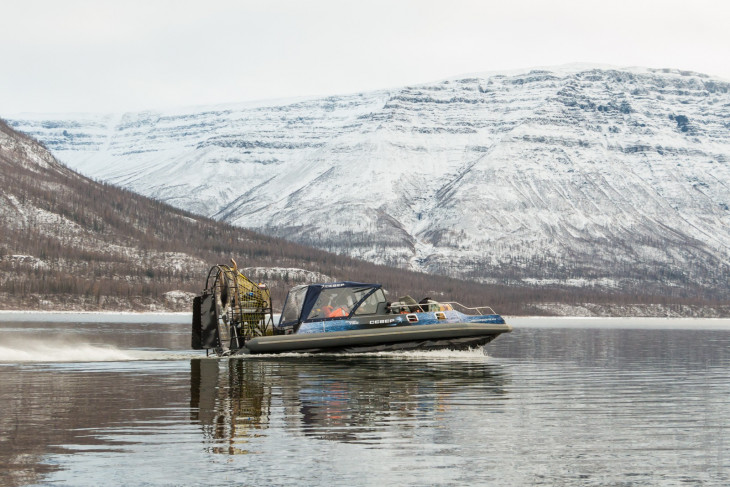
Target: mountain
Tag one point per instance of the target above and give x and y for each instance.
(70, 243)
(613, 179)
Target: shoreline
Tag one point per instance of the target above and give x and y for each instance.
(621, 322)
(97, 316)
(29, 311)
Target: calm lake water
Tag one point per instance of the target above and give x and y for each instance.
(86, 402)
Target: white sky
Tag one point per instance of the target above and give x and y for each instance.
(126, 55)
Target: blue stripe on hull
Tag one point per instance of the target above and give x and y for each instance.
(382, 321)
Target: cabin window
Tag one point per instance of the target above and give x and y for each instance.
(337, 302)
(370, 305)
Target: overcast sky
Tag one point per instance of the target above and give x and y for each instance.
(128, 55)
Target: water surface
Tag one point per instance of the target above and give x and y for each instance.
(102, 403)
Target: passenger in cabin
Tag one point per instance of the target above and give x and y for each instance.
(338, 312)
(336, 308)
(339, 307)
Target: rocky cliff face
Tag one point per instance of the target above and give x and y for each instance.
(590, 177)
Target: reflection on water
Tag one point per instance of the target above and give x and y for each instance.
(365, 399)
(231, 401)
(567, 407)
(341, 398)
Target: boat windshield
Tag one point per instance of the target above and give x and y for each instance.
(337, 302)
(293, 306)
(370, 305)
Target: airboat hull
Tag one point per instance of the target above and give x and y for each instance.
(454, 336)
(234, 316)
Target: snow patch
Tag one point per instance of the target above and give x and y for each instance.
(285, 273)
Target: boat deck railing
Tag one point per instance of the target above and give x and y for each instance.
(478, 310)
(399, 306)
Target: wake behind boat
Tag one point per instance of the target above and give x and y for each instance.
(234, 316)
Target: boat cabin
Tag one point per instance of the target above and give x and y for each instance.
(315, 303)
(333, 301)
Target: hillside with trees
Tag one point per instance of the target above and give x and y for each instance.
(70, 243)
(613, 180)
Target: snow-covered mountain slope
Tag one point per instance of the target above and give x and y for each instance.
(609, 177)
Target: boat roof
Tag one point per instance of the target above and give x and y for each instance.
(342, 284)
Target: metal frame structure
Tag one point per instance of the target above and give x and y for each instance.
(243, 308)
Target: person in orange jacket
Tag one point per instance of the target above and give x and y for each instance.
(338, 312)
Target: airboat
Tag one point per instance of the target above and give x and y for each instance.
(234, 315)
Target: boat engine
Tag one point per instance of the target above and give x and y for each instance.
(230, 310)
